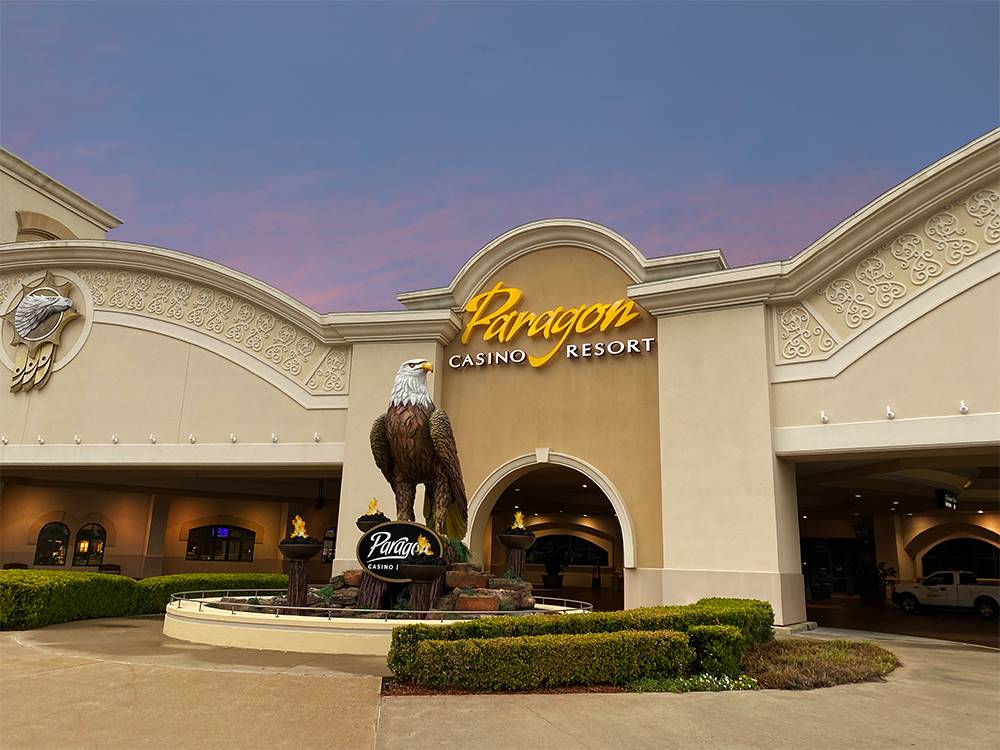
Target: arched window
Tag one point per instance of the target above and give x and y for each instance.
(975, 555)
(53, 541)
(329, 545)
(573, 550)
(220, 544)
(89, 547)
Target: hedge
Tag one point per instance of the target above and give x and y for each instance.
(719, 647)
(754, 620)
(154, 592)
(35, 598)
(545, 661)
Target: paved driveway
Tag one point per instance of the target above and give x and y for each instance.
(119, 683)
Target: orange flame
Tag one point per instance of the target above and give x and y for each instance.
(518, 520)
(373, 506)
(424, 546)
(299, 527)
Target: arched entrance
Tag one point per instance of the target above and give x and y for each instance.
(584, 535)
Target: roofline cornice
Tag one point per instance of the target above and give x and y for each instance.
(540, 235)
(942, 182)
(331, 328)
(24, 172)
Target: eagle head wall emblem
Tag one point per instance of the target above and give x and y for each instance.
(37, 316)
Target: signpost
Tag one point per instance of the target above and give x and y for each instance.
(383, 548)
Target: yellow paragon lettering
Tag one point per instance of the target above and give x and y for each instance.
(496, 313)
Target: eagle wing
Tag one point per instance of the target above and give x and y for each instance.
(380, 448)
(443, 440)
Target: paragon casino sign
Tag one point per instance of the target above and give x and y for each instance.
(381, 549)
(494, 317)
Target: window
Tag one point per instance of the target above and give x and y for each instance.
(89, 547)
(974, 555)
(329, 545)
(53, 541)
(966, 579)
(220, 543)
(939, 579)
(573, 550)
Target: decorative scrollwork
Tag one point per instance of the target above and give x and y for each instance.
(283, 342)
(217, 318)
(119, 297)
(301, 351)
(331, 375)
(244, 316)
(943, 229)
(909, 250)
(140, 285)
(202, 306)
(798, 329)
(984, 209)
(262, 328)
(161, 296)
(872, 273)
(846, 299)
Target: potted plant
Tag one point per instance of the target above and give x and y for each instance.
(553, 570)
(372, 518)
(516, 536)
(423, 565)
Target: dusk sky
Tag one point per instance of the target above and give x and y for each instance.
(347, 152)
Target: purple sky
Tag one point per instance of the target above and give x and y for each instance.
(347, 152)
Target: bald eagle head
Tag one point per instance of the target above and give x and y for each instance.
(410, 385)
(34, 309)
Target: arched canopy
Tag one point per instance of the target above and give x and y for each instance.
(485, 497)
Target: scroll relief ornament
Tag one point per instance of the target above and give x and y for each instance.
(800, 332)
(37, 317)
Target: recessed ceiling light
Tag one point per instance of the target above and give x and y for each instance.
(535, 514)
(584, 486)
(909, 514)
(517, 489)
(805, 516)
(585, 515)
(857, 514)
(892, 509)
(560, 511)
(895, 502)
(858, 496)
(979, 511)
(517, 507)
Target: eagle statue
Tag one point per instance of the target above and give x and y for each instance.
(412, 444)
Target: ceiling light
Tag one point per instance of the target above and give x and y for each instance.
(516, 507)
(585, 515)
(858, 497)
(560, 511)
(584, 486)
(857, 514)
(892, 509)
(895, 502)
(535, 514)
(805, 517)
(517, 489)
(979, 511)
(968, 483)
(909, 514)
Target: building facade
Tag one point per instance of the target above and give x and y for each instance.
(670, 427)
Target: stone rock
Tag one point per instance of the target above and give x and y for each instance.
(352, 577)
(467, 567)
(509, 584)
(337, 582)
(466, 579)
(515, 599)
(345, 597)
(446, 602)
(477, 603)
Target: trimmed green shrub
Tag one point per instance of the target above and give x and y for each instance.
(719, 647)
(154, 592)
(753, 618)
(35, 598)
(533, 662)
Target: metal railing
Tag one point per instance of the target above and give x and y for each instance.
(211, 598)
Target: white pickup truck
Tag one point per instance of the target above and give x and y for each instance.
(949, 588)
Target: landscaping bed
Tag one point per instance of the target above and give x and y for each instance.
(806, 663)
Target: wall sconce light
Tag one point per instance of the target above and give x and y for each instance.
(114, 439)
(152, 439)
(41, 440)
(962, 408)
(232, 437)
(192, 439)
(76, 439)
(3, 440)
(824, 417)
(274, 437)
(315, 437)
(889, 413)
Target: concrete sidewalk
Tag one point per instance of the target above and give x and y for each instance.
(119, 683)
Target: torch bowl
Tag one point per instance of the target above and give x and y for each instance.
(365, 524)
(300, 550)
(422, 573)
(516, 541)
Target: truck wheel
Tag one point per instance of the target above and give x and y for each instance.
(986, 607)
(908, 603)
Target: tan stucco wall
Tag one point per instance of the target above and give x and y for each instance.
(600, 410)
(729, 506)
(950, 354)
(135, 383)
(24, 509)
(17, 196)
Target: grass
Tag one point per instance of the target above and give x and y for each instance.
(698, 683)
(806, 663)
